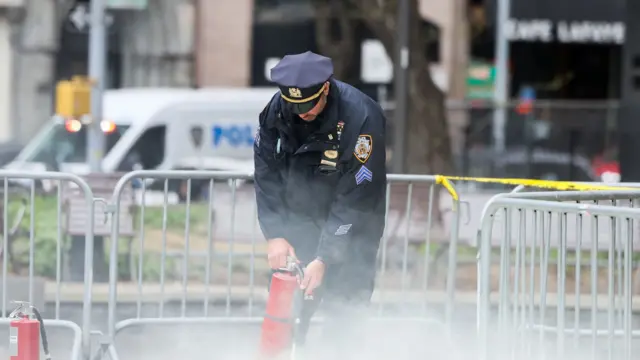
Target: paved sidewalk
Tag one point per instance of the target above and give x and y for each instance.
(128, 292)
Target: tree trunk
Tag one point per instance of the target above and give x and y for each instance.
(428, 140)
(429, 143)
(335, 36)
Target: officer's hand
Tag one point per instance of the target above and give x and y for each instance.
(278, 250)
(313, 275)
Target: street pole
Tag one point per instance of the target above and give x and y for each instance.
(501, 91)
(401, 87)
(80, 248)
(97, 59)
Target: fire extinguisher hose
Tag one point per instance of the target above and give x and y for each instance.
(43, 334)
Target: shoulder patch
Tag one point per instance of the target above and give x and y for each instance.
(363, 148)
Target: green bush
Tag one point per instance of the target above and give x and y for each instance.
(47, 226)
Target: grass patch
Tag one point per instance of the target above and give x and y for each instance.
(43, 225)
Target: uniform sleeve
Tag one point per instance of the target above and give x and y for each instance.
(268, 182)
(358, 208)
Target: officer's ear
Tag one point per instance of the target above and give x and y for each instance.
(326, 88)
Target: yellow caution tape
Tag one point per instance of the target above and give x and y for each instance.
(444, 181)
(544, 184)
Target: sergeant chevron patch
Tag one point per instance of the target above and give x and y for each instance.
(363, 174)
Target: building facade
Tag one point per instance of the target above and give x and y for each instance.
(228, 25)
(206, 43)
(181, 43)
(42, 42)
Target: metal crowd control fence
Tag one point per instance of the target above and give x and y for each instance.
(37, 232)
(572, 227)
(212, 253)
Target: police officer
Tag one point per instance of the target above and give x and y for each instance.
(320, 182)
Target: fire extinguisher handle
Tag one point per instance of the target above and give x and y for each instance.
(23, 309)
(297, 269)
(294, 267)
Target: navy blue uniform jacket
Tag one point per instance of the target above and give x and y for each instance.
(335, 212)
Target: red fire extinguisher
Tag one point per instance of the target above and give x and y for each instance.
(283, 311)
(25, 333)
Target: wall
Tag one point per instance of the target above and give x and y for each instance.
(158, 44)
(34, 44)
(5, 80)
(223, 54)
(440, 13)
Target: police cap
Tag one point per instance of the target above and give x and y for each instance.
(301, 78)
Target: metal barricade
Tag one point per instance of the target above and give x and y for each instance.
(32, 234)
(571, 227)
(212, 271)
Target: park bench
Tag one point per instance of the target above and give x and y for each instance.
(77, 214)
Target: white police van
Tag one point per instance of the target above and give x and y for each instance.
(157, 128)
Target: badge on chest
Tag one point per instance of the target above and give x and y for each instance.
(329, 158)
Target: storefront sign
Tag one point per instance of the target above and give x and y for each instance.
(481, 77)
(543, 30)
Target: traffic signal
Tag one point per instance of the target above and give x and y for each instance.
(73, 97)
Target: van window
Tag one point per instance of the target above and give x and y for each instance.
(148, 152)
(62, 146)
